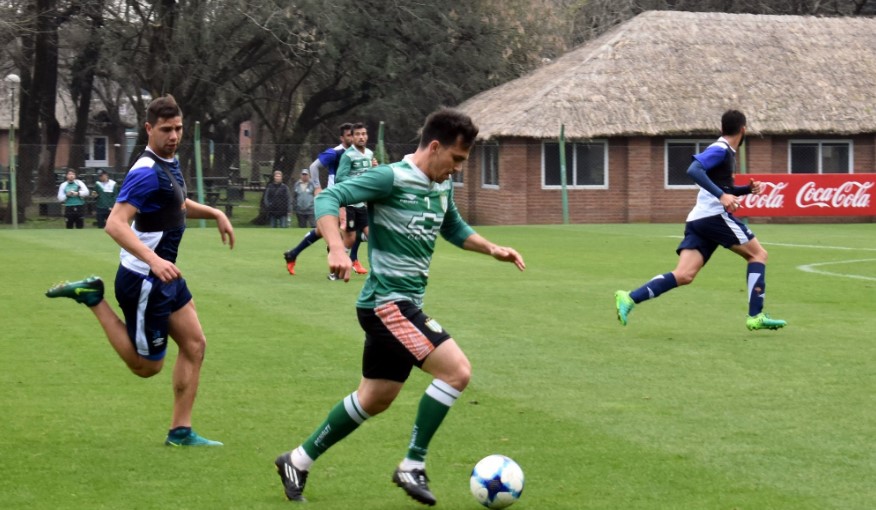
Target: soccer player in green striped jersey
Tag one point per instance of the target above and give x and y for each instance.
(355, 161)
(410, 203)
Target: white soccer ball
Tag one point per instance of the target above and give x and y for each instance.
(496, 481)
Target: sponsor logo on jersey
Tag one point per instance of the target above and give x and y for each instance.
(424, 225)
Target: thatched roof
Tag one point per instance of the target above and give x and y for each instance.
(675, 73)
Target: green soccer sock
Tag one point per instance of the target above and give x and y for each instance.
(433, 408)
(342, 420)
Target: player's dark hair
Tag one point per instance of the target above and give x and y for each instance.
(359, 125)
(163, 107)
(447, 126)
(343, 128)
(732, 122)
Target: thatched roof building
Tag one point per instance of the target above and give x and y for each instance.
(673, 73)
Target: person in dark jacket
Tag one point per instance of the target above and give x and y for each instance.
(277, 201)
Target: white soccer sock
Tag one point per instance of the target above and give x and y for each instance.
(300, 459)
(409, 465)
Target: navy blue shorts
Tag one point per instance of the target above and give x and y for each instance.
(147, 304)
(398, 337)
(706, 234)
(357, 218)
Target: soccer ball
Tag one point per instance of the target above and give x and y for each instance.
(496, 481)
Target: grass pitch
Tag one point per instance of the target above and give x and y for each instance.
(682, 409)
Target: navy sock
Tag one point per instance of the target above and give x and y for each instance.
(656, 286)
(756, 287)
(179, 431)
(309, 238)
(354, 251)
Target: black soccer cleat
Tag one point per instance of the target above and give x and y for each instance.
(292, 477)
(416, 484)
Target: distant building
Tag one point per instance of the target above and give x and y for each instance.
(102, 138)
(639, 100)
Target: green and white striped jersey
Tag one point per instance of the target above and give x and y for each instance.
(353, 164)
(406, 212)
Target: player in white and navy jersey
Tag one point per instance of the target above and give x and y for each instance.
(410, 203)
(148, 222)
(711, 224)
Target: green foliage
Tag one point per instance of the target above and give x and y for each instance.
(682, 409)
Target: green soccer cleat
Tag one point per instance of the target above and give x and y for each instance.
(89, 291)
(624, 304)
(763, 321)
(188, 438)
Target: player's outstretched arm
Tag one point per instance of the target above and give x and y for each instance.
(476, 242)
(205, 212)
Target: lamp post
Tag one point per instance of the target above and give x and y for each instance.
(13, 80)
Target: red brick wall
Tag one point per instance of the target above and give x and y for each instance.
(636, 190)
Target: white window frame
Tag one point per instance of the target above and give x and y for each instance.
(820, 143)
(484, 171)
(574, 164)
(91, 163)
(458, 179)
(701, 144)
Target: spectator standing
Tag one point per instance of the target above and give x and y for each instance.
(105, 192)
(303, 193)
(72, 193)
(276, 201)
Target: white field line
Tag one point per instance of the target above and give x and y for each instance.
(811, 268)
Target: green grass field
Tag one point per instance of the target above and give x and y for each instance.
(682, 409)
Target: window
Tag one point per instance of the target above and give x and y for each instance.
(458, 178)
(490, 164)
(586, 164)
(820, 157)
(678, 158)
(97, 152)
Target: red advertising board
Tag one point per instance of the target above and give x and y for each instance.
(810, 195)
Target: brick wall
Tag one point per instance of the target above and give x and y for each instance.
(636, 190)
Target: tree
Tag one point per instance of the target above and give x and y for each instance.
(82, 73)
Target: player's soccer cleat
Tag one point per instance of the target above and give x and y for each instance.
(416, 484)
(289, 257)
(764, 321)
(332, 276)
(188, 438)
(292, 477)
(89, 291)
(357, 266)
(624, 304)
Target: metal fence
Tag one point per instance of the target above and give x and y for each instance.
(236, 173)
(230, 173)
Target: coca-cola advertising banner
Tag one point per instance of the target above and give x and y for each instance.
(809, 195)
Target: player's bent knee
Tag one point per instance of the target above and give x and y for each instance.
(460, 377)
(146, 370)
(195, 349)
(684, 279)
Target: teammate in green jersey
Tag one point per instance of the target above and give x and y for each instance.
(355, 161)
(409, 204)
